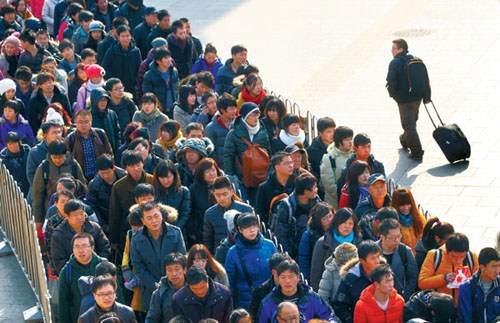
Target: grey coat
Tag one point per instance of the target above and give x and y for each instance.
(330, 281)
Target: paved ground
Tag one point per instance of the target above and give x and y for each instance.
(331, 58)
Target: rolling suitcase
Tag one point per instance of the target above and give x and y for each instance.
(450, 139)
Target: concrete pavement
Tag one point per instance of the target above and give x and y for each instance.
(331, 58)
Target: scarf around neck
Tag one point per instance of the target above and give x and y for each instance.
(289, 139)
(169, 144)
(349, 238)
(249, 98)
(405, 220)
(150, 117)
(252, 131)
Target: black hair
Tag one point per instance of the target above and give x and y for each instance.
(161, 170)
(101, 281)
(177, 24)
(64, 192)
(388, 224)
(144, 189)
(105, 268)
(277, 158)
(210, 48)
(341, 133)
(184, 92)
(457, 242)
(288, 264)
(238, 49)
(8, 8)
(119, 21)
(139, 141)
(87, 52)
(195, 275)
(57, 148)
(23, 73)
(12, 104)
(356, 168)
(28, 35)
(222, 182)
(85, 15)
(207, 95)
(486, 255)
(435, 228)
(237, 315)
(249, 69)
(74, 9)
(366, 248)
(163, 13)
(276, 105)
(386, 212)
(303, 182)
(122, 29)
(224, 101)
(148, 207)
(82, 235)
(104, 162)
(47, 125)
(111, 82)
(160, 52)
(206, 78)
(135, 216)
(246, 220)
(325, 123)
(180, 319)
(277, 259)
(361, 139)
(289, 119)
(73, 205)
(130, 158)
(342, 215)
(65, 43)
(193, 126)
(379, 272)
(175, 258)
(318, 212)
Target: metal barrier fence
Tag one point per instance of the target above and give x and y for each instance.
(18, 226)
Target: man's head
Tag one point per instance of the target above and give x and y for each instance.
(83, 247)
(175, 268)
(163, 19)
(162, 57)
(399, 46)
(57, 152)
(105, 165)
(178, 30)
(376, 186)
(390, 234)
(307, 185)
(27, 38)
(83, 120)
(275, 260)
(133, 164)
(23, 77)
(75, 211)
(282, 164)
(288, 312)
(124, 34)
(67, 49)
(116, 23)
(223, 191)
(288, 276)
(73, 11)
(362, 146)
(194, 130)
(104, 290)
(144, 193)
(342, 138)
(204, 81)
(239, 54)
(197, 280)
(226, 105)
(326, 129)
(369, 255)
(85, 18)
(387, 212)
(8, 12)
(489, 263)
(151, 16)
(105, 268)
(151, 216)
(457, 246)
(61, 199)
(383, 279)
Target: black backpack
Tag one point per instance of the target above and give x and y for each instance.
(415, 77)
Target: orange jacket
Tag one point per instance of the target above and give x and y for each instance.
(412, 233)
(367, 309)
(430, 278)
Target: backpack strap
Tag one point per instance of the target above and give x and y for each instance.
(245, 140)
(45, 171)
(403, 254)
(332, 162)
(244, 267)
(68, 273)
(469, 260)
(438, 255)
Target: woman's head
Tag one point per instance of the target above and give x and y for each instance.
(321, 216)
(80, 74)
(11, 110)
(58, 108)
(275, 110)
(207, 171)
(200, 256)
(149, 103)
(140, 146)
(253, 84)
(169, 130)
(187, 97)
(345, 221)
(248, 225)
(11, 46)
(166, 175)
(210, 53)
(291, 124)
(436, 233)
(240, 315)
(403, 202)
(358, 174)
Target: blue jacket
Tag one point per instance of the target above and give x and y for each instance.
(179, 200)
(224, 79)
(160, 310)
(215, 226)
(201, 65)
(217, 133)
(310, 305)
(16, 164)
(20, 126)
(366, 207)
(147, 263)
(474, 310)
(306, 246)
(256, 258)
(167, 93)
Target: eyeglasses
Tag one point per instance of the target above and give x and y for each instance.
(394, 239)
(287, 164)
(291, 318)
(105, 295)
(83, 247)
(118, 89)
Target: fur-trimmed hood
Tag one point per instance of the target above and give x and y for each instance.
(345, 269)
(169, 213)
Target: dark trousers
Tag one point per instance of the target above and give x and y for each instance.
(408, 113)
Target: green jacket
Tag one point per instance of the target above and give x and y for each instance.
(70, 297)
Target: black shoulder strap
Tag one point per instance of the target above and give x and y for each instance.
(101, 134)
(332, 162)
(437, 259)
(244, 267)
(45, 171)
(402, 254)
(68, 273)
(71, 138)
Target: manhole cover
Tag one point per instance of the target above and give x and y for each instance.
(412, 32)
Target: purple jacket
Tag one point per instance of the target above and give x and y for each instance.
(201, 65)
(218, 304)
(21, 127)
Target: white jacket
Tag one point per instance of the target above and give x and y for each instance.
(48, 14)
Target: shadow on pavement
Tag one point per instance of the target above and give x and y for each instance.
(449, 169)
(401, 169)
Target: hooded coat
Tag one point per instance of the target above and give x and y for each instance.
(123, 64)
(106, 120)
(367, 309)
(16, 164)
(330, 280)
(125, 110)
(20, 126)
(330, 175)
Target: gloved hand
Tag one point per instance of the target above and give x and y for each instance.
(131, 284)
(127, 274)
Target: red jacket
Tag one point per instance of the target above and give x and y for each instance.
(367, 310)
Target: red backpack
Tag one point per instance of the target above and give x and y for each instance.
(254, 164)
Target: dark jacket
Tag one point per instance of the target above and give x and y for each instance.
(88, 300)
(315, 153)
(267, 191)
(217, 305)
(375, 167)
(123, 64)
(134, 17)
(122, 198)
(105, 19)
(156, 32)
(106, 120)
(200, 202)
(419, 306)
(160, 309)
(306, 247)
(16, 164)
(38, 104)
(125, 313)
(61, 242)
(366, 207)
(99, 195)
(67, 67)
(178, 199)
(183, 56)
(235, 146)
(222, 250)
(258, 294)
(166, 92)
(215, 226)
(70, 297)
(290, 227)
(224, 79)
(33, 62)
(217, 132)
(309, 303)
(395, 80)
(59, 12)
(103, 47)
(420, 253)
(125, 110)
(256, 258)
(36, 155)
(478, 306)
(148, 265)
(141, 37)
(323, 249)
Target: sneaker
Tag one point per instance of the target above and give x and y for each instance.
(403, 142)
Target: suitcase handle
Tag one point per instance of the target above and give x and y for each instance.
(437, 114)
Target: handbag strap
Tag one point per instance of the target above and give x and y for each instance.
(244, 267)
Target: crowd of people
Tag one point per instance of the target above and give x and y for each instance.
(152, 166)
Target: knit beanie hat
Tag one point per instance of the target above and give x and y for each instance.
(247, 108)
(345, 252)
(197, 145)
(6, 84)
(94, 70)
(12, 39)
(159, 42)
(54, 117)
(229, 217)
(96, 25)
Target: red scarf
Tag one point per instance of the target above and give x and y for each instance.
(249, 98)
